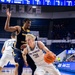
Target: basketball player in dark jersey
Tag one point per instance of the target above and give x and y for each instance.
(21, 32)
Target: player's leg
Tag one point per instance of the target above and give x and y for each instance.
(16, 69)
(31, 64)
(19, 67)
(39, 71)
(3, 61)
(16, 65)
(55, 70)
(12, 61)
(51, 69)
(18, 59)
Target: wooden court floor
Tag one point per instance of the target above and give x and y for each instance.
(10, 71)
(11, 74)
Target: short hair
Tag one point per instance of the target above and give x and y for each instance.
(30, 36)
(26, 20)
(13, 34)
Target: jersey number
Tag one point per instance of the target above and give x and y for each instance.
(36, 55)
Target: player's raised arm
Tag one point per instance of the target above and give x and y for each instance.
(7, 23)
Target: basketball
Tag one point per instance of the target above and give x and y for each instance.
(49, 57)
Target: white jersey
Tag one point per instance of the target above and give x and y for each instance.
(43, 68)
(8, 45)
(36, 54)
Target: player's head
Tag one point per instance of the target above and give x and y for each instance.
(27, 23)
(30, 38)
(13, 34)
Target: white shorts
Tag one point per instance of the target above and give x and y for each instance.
(5, 59)
(46, 69)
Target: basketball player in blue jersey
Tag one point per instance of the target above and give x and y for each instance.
(21, 32)
(35, 51)
(7, 51)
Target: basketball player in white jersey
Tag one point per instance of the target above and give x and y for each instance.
(35, 50)
(7, 51)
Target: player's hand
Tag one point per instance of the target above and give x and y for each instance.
(8, 13)
(26, 64)
(52, 54)
(23, 46)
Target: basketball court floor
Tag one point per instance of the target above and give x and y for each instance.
(27, 71)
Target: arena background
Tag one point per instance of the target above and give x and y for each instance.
(55, 26)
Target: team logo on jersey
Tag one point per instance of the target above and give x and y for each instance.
(34, 52)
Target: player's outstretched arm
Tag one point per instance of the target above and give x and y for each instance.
(7, 26)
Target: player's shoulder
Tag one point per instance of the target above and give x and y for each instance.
(39, 42)
(14, 39)
(18, 29)
(8, 40)
(11, 40)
